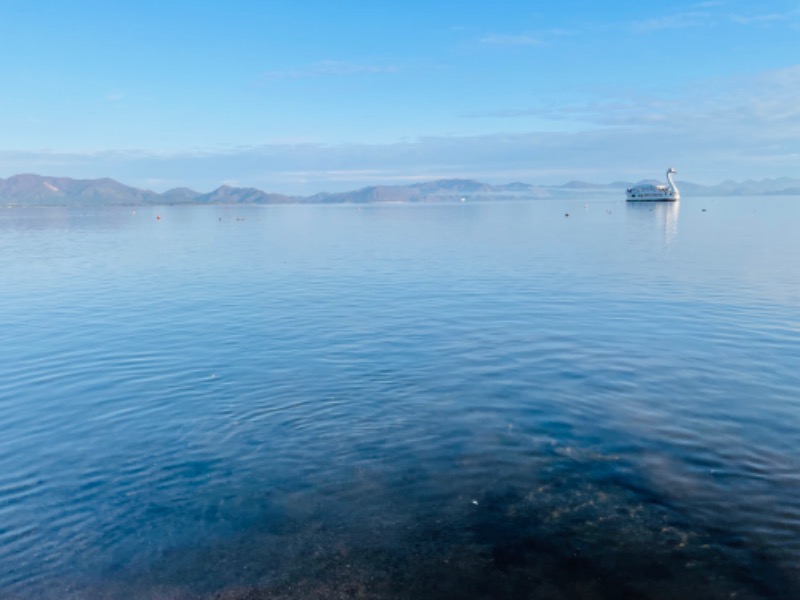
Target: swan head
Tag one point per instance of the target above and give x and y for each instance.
(671, 170)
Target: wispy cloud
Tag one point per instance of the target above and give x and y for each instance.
(708, 14)
(758, 19)
(763, 105)
(511, 40)
(680, 20)
(115, 96)
(329, 68)
(598, 113)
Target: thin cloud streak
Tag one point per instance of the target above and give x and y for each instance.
(767, 102)
(681, 20)
(511, 40)
(751, 19)
(708, 18)
(329, 68)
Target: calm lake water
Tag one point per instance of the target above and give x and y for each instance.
(420, 401)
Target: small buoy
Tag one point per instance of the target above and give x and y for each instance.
(158, 217)
(566, 214)
(475, 502)
(704, 210)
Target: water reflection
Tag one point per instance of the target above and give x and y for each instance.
(662, 215)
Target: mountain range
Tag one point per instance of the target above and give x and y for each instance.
(38, 190)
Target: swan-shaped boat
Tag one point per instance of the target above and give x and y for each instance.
(655, 193)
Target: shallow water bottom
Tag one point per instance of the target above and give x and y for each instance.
(572, 529)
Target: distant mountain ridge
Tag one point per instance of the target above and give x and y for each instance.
(39, 190)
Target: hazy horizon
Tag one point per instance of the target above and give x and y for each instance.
(770, 186)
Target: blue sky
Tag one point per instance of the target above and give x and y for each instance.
(308, 96)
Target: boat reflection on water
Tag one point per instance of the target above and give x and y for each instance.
(661, 216)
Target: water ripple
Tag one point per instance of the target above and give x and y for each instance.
(402, 402)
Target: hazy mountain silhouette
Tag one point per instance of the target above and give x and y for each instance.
(38, 190)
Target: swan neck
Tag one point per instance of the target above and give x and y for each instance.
(671, 182)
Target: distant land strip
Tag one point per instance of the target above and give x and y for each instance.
(39, 190)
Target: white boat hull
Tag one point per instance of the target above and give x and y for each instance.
(655, 193)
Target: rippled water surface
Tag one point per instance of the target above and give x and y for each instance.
(449, 401)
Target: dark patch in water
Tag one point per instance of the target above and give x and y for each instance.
(567, 537)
